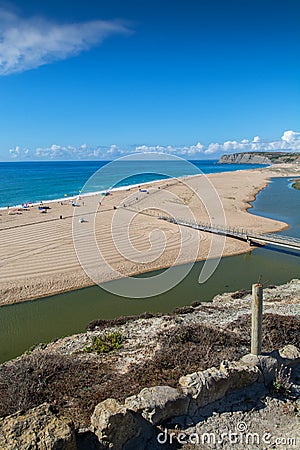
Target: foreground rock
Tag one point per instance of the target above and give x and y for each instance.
(37, 429)
(213, 384)
(133, 425)
(158, 403)
(205, 387)
(145, 420)
(266, 364)
(239, 374)
(113, 424)
(291, 354)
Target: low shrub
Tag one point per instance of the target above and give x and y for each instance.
(106, 343)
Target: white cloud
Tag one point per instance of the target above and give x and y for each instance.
(57, 152)
(290, 141)
(213, 148)
(26, 43)
(18, 152)
(291, 137)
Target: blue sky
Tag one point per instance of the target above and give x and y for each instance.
(98, 79)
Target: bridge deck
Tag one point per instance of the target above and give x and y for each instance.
(242, 234)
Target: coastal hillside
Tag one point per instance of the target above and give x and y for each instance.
(117, 358)
(260, 158)
(118, 382)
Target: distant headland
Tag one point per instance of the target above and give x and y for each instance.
(260, 158)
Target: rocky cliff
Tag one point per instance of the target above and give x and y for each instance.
(260, 158)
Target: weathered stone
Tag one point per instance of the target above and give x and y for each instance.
(158, 403)
(266, 364)
(205, 387)
(113, 424)
(290, 354)
(36, 429)
(239, 374)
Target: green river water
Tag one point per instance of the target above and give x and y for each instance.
(25, 324)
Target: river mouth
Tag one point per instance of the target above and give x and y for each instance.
(25, 324)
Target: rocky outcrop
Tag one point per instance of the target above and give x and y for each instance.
(205, 387)
(113, 424)
(260, 158)
(266, 364)
(244, 158)
(158, 403)
(290, 355)
(212, 384)
(239, 374)
(136, 422)
(125, 426)
(37, 429)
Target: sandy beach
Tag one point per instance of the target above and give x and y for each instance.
(37, 250)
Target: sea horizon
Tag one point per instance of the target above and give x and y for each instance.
(24, 182)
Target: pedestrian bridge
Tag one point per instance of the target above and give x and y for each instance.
(252, 238)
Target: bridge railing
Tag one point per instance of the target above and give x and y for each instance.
(207, 226)
(234, 231)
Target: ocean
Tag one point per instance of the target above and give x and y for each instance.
(23, 182)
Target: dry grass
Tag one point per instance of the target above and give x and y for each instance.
(76, 383)
(277, 330)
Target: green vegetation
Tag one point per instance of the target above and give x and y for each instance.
(106, 343)
(282, 383)
(279, 157)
